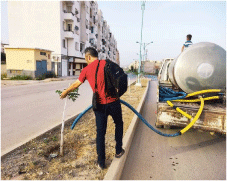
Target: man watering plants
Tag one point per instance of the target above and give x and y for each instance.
(107, 105)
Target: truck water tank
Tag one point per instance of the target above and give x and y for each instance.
(201, 66)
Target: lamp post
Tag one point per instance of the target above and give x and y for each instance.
(144, 46)
(138, 77)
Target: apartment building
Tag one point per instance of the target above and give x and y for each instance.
(66, 27)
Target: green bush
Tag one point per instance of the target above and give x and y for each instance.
(46, 75)
(21, 77)
(3, 76)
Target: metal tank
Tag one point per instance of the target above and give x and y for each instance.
(201, 66)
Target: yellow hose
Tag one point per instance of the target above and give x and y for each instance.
(195, 118)
(203, 91)
(180, 111)
(197, 100)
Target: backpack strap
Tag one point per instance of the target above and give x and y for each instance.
(96, 76)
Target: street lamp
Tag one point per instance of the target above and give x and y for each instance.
(144, 46)
(138, 77)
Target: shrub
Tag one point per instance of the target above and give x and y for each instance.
(21, 77)
(46, 75)
(3, 76)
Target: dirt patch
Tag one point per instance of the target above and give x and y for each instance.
(39, 159)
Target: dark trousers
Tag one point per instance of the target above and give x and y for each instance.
(113, 109)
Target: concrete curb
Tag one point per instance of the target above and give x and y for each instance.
(115, 170)
(39, 135)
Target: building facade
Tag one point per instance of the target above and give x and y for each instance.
(66, 27)
(148, 66)
(27, 61)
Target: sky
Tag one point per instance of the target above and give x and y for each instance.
(166, 23)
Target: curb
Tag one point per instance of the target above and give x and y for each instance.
(115, 170)
(39, 135)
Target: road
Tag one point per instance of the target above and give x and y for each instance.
(29, 110)
(194, 155)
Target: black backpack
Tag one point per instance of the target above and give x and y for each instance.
(116, 81)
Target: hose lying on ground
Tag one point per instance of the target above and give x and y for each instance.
(178, 109)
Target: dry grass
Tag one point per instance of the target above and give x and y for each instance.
(33, 161)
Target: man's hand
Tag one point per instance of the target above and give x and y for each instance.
(64, 94)
(75, 85)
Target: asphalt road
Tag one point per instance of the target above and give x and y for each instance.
(29, 110)
(194, 155)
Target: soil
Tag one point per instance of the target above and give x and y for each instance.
(39, 159)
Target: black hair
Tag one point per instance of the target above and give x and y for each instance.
(189, 36)
(91, 51)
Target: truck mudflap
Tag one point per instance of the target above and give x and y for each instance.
(213, 117)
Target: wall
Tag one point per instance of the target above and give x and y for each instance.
(35, 24)
(20, 59)
(3, 69)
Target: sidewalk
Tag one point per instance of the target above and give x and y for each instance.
(5, 83)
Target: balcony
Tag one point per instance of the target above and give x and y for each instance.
(68, 16)
(92, 35)
(68, 34)
(69, 2)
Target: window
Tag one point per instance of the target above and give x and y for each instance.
(90, 13)
(69, 9)
(48, 56)
(77, 46)
(69, 27)
(92, 29)
(82, 47)
(42, 53)
(77, 30)
(86, 8)
(76, 11)
(64, 43)
(92, 41)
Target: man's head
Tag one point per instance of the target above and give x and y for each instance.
(189, 37)
(90, 54)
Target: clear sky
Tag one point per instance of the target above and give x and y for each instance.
(166, 23)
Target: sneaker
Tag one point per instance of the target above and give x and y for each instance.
(101, 167)
(120, 154)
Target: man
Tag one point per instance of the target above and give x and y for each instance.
(188, 43)
(107, 105)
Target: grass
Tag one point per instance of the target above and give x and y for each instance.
(21, 77)
(46, 75)
(3, 76)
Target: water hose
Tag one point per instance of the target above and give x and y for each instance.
(166, 94)
(195, 118)
(179, 110)
(138, 114)
(172, 105)
(80, 115)
(189, 116)
(198, 100)
(203, 91)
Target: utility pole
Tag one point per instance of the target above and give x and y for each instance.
(138, 76)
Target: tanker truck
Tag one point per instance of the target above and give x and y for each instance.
(197, 75)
